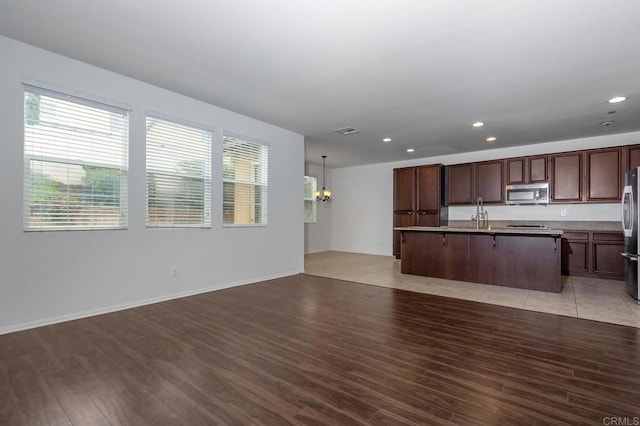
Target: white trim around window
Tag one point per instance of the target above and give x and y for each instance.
(75, 162)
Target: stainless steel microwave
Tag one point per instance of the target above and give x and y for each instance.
(535, 193)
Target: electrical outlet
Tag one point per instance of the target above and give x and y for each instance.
(174, 271)
(563, 213)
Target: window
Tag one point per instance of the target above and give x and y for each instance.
(245, 176)
(75, 162)
(310, 184)
(178, 174)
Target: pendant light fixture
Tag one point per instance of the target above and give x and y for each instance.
(325, 194)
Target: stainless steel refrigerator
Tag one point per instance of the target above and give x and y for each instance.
(630, 222)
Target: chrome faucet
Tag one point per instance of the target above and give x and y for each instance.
(482, 217)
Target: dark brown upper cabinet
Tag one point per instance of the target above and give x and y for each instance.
(430, 210)
(490, 181)
(404, 189)
(460, 184)
(604, 174)
(537, 169)
(631, 158)
(417, 199)
(428, 188)
(587, 176)
(526, 170)
(516, 172)
(566, 177)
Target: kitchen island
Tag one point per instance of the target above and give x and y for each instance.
(510, 257)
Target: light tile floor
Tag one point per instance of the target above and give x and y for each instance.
(588, 298)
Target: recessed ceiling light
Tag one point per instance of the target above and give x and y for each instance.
(478, 124)
(607, 123)
(410, 150)
(491, 139)
(617, 99)
(386, 140)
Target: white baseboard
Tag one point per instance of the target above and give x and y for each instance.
(120, 307)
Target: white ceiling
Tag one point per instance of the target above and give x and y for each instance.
(417, 71)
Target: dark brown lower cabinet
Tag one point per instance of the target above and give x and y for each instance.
(401, 220)
(607, 259)
(593, 253)
(575, 253)
(606, 248)
(510, 260)
(428, 218)
(420, 218)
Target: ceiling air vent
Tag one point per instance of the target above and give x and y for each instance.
(346, 131)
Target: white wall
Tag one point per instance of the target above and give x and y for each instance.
(362, 208)
(52, 276)
(317, 236)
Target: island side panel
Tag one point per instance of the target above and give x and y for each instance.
(457, 257)
(510, 260)
(485, 263)
(533, 262)
(519, 261)
(423, 254)
(436, 254)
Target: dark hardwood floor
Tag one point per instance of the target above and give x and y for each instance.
(311, 350)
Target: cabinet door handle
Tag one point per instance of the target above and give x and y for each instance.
(444, 239)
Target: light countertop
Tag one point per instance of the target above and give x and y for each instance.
(469, 230)
(566, 225)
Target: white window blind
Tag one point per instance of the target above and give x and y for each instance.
(75, 162)
(178, 174)
(245, 182)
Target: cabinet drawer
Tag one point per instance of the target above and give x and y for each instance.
(572, 235)
(608, 236)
